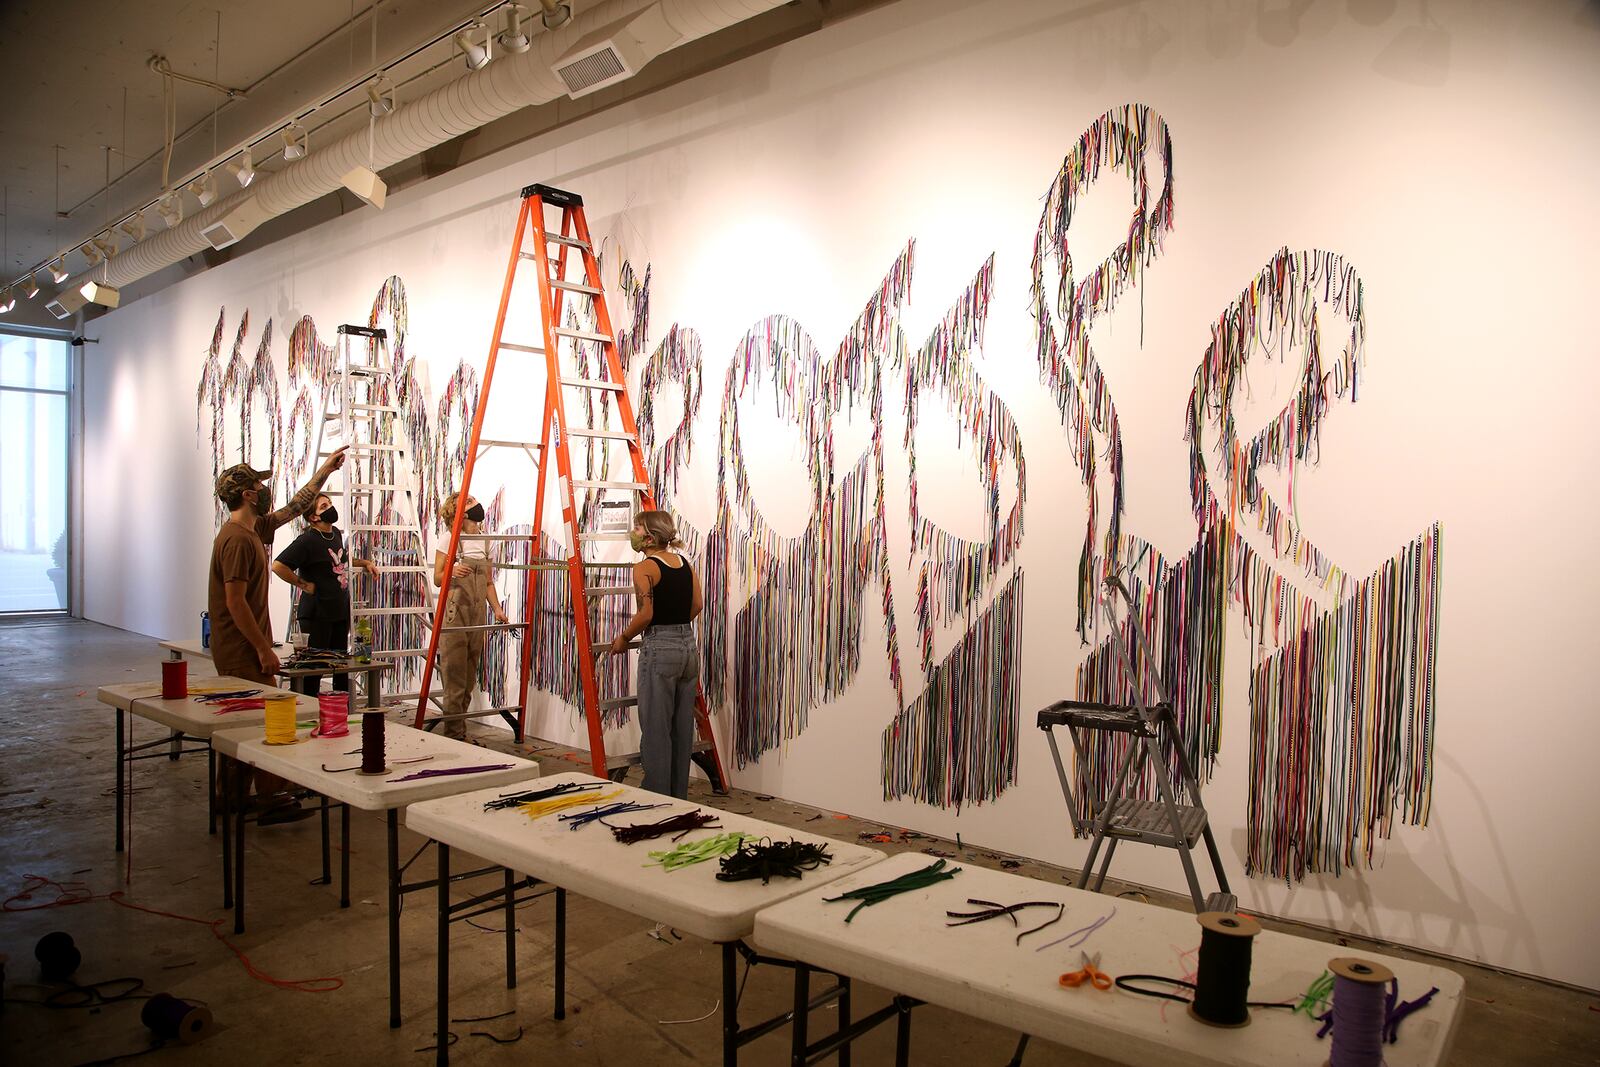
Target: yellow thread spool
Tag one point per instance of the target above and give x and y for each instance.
(280, 720)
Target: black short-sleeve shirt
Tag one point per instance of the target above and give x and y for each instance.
(321, 560)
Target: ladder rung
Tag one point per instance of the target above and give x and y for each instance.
(593, 383)
(606, 537)
(367, 448)
(632, 758)
(400, 653)
(371, 526)
(375, 407)
(637, 487)
(574, 287)
(488, 443)
(608, 435)
(582, 335)
(605, 650)
(367, 372)
(471, 714)
(607, 590)
(406, 569)
(530, 349)
(496, 537)
(570, 242)
(391, 611)
(484, 626)
(620, 702)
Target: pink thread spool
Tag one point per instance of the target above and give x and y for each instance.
(333, 715)
(174, 679)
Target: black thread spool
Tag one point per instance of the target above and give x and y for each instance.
(1222, 984)
(372, 752)
(58, 957)
(171, 1019)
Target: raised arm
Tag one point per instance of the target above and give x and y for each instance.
(296, 505)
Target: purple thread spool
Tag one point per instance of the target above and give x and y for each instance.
(372, 754)
(1358, 1012)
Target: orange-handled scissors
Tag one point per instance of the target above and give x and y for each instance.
(1090, 973)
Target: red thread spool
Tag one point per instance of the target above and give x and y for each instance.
(174, 679)
(333, 715)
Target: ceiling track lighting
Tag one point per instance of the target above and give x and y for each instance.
(244, 171)
(91, 253)
(296, 141)
(170, 208)
(30, 287)
(556, 14)
(204, 189)
(58, 270)
(477, 54)
(380, 94)
(513, 39)
(134, 226)
(105, 246)
(7, 301)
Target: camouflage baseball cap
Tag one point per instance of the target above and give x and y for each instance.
(238, 478)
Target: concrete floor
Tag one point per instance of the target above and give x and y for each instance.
(633, 1000)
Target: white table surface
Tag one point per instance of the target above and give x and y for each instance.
(591, 862)
(188, 714)
(303, 761)
(903, 945)
(189, 649)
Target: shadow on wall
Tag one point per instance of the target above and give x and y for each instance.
(1474, 912)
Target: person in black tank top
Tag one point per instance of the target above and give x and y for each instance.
(669, 598)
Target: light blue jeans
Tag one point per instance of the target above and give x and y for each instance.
(669, 673)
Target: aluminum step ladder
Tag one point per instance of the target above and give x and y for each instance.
(1165, 822)
(377, 493)
(595, 509)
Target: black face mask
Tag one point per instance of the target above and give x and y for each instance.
(475, 513)
(330, 515)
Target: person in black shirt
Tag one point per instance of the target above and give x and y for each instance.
(316, 564)
(669, 596)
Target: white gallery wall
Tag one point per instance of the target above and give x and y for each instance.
(1452, 163)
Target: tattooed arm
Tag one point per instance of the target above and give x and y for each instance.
(296, 505)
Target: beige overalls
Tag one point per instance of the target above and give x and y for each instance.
(461, 653)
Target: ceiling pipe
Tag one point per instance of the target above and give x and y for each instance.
(510, 83)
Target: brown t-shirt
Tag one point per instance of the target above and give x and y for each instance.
(237, 555)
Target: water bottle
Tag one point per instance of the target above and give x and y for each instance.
(363, 649)
(205, 629)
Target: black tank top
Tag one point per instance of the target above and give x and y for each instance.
(674, 594)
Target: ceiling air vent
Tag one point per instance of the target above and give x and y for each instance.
(615, 52)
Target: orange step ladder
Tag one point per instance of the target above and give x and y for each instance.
(531, 244)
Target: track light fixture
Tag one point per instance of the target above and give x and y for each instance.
(170, 208)
(380, 93)
(134, 226)
(7, 301)
(244, 171)
(476, 53)
(204, 189)
(296, 141)
(30, 288)
(91, 253)
(57, 269)
(513, 39)
(105, 246)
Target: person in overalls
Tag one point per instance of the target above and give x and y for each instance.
(471, 587)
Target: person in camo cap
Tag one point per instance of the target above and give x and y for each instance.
(236, 594)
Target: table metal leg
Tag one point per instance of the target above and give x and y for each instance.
(211, 783)
(902, 1037)
(394, 920)
(802, 1013)
(175, 746)
(122, 772)
(344, 855)
(561, 953)
(844, 1019)
(225, 787)
(442, 1038)
(327, 855)
(1016, 1057)
(730, 1005)
(240, 801)
(511, 928)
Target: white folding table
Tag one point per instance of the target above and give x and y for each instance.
(187, 719)
(590, 861)
(328, 765)
(904, 945)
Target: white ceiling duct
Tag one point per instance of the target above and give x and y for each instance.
(512, 82)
